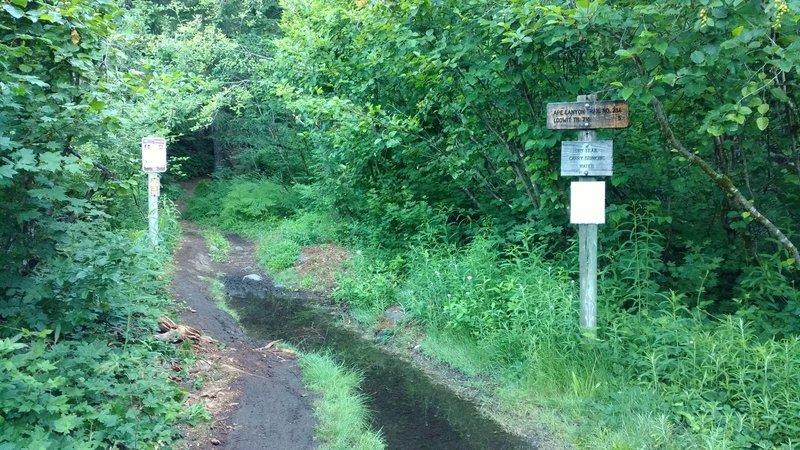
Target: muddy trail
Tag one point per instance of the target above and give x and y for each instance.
(261, 402)
(257, 398)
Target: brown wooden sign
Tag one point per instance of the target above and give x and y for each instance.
(587, 115)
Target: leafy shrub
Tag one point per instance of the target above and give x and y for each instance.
(717, 376)
(511, 304)
(367, 285)
(84, 394)
(88, 375)
(256, 201)
(308, 228)
(276, 253)
(241, 203)
(205, 203)
(280, 246)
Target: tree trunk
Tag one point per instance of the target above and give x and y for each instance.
(219, 150)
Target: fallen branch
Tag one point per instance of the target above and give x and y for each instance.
(172, 332)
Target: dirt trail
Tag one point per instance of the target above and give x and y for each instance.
(256, 397)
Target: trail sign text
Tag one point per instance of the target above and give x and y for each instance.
(587, 115)
(154, 154)
(587, 158)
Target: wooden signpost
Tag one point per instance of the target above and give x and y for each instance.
(154, 161)
(587, 158)
(587, 115)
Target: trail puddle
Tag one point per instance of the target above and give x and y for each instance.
(410, 410)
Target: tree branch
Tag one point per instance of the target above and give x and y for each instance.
(724, 182)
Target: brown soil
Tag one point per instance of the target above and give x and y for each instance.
(253, 391)
(321, 262)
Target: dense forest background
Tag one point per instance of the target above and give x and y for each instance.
(414, 131)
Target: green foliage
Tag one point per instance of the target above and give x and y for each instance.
(719, 379)
(252, 201)
(662, 374)
(88, 373)
(424, 110)
(276, 253)
(81, 289)
(511, 306)
(204, 205)
(342, 415)
(218, 246)
(369, 285)
(241, 203)
(85, 393)
(279, 247)
(458, 351)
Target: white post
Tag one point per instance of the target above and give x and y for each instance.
(154, 161)
(587, 252)
(153, 188)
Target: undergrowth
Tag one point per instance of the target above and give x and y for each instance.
(218, 247)
(80, 367)
(666, 375)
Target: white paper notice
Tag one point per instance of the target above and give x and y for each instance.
(154, 154)
(587, 202)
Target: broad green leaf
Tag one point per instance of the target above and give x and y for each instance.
(7, 171)
(737, 31)
(25, 159)
(762, 123)
(661, 47)
(50, 161)
(715, 130)
(698, 57)
(779, 94)
(67, 423)
(626, 93)
(626, 53)
(13, 10)
(763, 108)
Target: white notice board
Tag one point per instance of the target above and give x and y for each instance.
(154, 154)
(587, 202)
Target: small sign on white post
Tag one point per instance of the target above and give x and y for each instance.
(587, 202)
(154, 161)
(154, 154)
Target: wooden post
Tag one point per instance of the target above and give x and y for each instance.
(587, 252)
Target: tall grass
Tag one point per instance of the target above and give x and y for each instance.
(218, 247)
(664, 376)
(342, 415)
